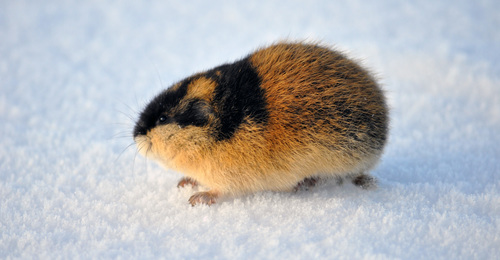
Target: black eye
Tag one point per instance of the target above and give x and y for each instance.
(163, 119)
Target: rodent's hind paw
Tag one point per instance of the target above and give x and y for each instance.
(306, 184)
(205, 197)
(185, 181)
(364, 181)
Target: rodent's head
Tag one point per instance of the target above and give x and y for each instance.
(177, 121)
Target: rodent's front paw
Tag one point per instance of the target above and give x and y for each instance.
(206, 197)
(185, 181)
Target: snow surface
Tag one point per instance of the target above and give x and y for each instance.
(74, 74)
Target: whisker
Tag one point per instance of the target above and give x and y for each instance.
(122, 137)
(147, 151)
(132, 110)
(123, 151)
(135, 112)
(122, 134)
(128, 125)
(131, 118)
(137, 102)
(133, 163)
(159, 76)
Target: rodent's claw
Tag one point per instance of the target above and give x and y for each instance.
(206, 197)
(186, 180)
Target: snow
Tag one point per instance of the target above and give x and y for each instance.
(74, 74)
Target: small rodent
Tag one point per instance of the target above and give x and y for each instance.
(276, 120)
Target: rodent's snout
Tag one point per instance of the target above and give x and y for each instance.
(144, 144)
(139, 130)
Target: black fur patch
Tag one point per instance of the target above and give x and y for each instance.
(162, 103)
(238, 95)
(196, 113)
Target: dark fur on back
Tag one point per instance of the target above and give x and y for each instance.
(238, 97)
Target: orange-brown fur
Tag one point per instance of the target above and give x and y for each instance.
(296, 143)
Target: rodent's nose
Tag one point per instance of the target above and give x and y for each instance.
(136, 133)
(139, 130)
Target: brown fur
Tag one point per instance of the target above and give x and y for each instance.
(312, 94)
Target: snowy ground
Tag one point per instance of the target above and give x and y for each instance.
(73, 72)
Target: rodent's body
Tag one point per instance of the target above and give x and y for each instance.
(283, 114)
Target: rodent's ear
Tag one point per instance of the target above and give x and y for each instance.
(197, 112)
(202, 88)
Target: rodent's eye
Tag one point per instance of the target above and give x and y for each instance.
(163, 119)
